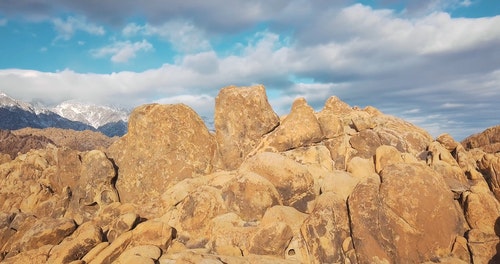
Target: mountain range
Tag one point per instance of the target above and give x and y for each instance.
(16, 114)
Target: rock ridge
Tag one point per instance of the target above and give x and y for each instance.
(342, 185)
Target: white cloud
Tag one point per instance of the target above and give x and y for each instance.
(184, 36)
(67, 28)
(437, 71)
(122, 51)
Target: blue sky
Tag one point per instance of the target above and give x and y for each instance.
(435, 63)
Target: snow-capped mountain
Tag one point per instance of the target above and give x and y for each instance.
(16, 114)
(94, 115)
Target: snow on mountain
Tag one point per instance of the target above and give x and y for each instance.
(94, 115)
(16, 114)
(7, 101)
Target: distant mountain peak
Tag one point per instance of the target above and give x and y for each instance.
(71, 114)
(88, 113)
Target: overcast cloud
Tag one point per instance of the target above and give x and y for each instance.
(419, 63)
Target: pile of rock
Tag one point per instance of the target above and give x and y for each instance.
(343, 185)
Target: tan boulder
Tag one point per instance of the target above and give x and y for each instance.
(292, 180)
(46, 231)
(4, 158)
(386, 155)
(361, 168)
(482, 211)
(447, 141)
(330, 122)
(33, 256)
(164, 145)
(410, 216)
(488, 140)
(404, 136)
(299, 128)
(199, 207)
(140, 254)
(326, 229)
(230, 235)
(483, 246)
(340, 150)
(341, 183)
(335, 105)
(271, 239)
(490, 167)
(317, 155)
(94, 252)
(365, 143)
(242, 116)
(113, 250)
(77, 245)
(94, 188)
(121, 224)
(249, 195)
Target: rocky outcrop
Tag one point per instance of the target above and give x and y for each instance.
(78, 140)
(488, 140)
(13, 144)
(342, 185)
(164, 145)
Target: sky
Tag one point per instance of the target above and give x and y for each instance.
(435, 63)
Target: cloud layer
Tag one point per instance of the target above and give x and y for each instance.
(420, 64)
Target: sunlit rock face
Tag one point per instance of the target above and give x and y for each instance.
(339, 185)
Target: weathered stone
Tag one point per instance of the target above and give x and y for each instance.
(447, 141)
(175, 194)
(153, 232)
(490, 167)
(482, 211)
(174, 139)
(140, 254)
(330, 122)
(242, 116)
(292, 180)
(483, 246)
(488, 140)
(400, 134)
(313, 155)
(74, 247)
(94, 188)
(409, 217)
(249, 195)
(386, 155)
(197, 209)
(123, 223)
(114, 250)
(460, 249)
(339, 148)
(365, 143)
(299, 128)
(230, 235)
(326, 228)
(94, 252)
(361, 168)
(47, 231)
(34, 256)
(271, 239)
(341, 183)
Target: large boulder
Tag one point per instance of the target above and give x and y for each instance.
(292, 180)
(408, 216)
(242, 116)
(299, 128)
(164, 145)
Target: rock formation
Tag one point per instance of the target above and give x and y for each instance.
(342, 185)
(488, 140)
(78, 140)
